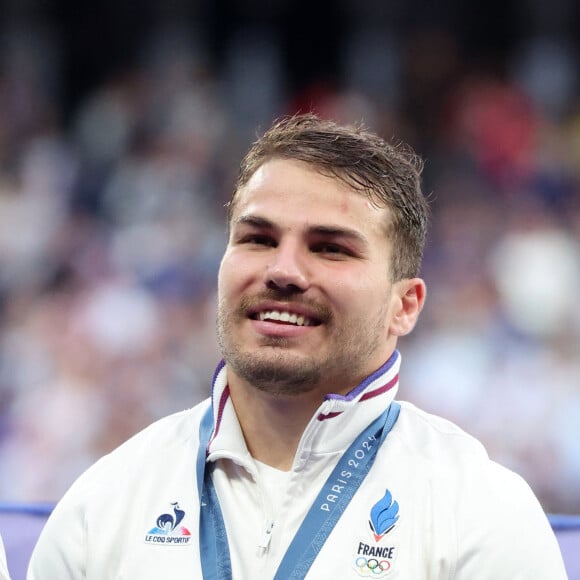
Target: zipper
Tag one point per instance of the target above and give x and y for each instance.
(266, 536)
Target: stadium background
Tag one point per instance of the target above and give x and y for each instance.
(121, 127)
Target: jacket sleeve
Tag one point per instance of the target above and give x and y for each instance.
(61, 548)
(505, 534)
(3, 566)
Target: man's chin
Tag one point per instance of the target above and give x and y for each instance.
(277, 373)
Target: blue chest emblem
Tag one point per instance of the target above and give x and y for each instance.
(384, 516)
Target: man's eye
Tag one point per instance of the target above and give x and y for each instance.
(258, 240)
(333, 249)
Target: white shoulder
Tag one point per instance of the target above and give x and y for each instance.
(169, 434)
(502, 531)
(113, 490)
(435, 438)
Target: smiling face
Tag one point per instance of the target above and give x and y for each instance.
(305, 297)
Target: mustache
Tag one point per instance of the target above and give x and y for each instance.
(317, 310)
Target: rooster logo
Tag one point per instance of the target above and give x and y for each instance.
(384, 516)
(168, 523)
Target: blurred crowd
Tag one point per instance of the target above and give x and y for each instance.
(112, 225)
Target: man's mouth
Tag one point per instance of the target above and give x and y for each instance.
(285, 317)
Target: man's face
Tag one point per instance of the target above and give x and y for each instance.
(305, 297)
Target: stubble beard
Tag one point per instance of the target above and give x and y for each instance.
(278, 372)
(273, 369)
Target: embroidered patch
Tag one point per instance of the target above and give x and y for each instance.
(168, 529)
(384, 516)
(375, 556)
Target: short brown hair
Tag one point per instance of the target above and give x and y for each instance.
(388, 174)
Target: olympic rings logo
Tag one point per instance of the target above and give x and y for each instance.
(371, 566)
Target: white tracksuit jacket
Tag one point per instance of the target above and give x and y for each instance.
(135, 513)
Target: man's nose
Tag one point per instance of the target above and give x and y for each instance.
(287, 269)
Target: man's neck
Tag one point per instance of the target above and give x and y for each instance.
(272, 425)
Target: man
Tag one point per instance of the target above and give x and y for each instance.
(303, 465)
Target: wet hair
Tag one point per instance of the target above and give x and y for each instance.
(388, 174)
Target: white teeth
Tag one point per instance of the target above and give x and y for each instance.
(299, 320)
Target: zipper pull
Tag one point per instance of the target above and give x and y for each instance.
(266, 537)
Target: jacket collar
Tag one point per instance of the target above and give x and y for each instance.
(338, 420)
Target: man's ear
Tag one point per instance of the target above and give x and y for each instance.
(408, 300)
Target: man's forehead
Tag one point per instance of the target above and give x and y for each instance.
(271, 208)
(282, 179)
(286, 190)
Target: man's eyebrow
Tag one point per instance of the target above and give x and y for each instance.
(339, 232)
(254, 221)
(314, 229)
